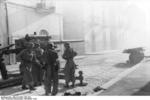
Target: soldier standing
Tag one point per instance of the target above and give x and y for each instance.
(51, 70)
(37, 66)
(26, 57)
(3, 67)
(70, 66)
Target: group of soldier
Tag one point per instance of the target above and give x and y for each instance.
(41, 66)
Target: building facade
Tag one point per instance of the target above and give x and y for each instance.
(102, 24)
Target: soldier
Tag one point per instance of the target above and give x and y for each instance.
(51, 70)
(70, 66)
(3, 68)
(37, 66)
(26, 57)
(25, 41)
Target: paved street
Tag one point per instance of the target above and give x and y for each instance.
(98, 69)
(136, 83)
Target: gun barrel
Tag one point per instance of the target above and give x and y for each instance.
(6, 48)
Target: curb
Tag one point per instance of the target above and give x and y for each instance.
(118, 78)
(104, 52)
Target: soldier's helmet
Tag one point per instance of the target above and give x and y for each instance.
(80, 72)
(50, 45)
(66, 44)
(27, 37)
(37, 45)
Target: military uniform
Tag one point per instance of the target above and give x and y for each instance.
(37, 66)
(51, 71)
(70, 66)
(3, 69)
(26, 57)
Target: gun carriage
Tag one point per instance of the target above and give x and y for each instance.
(16, 79)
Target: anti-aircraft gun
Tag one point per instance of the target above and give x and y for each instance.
(136, 55)
(20, 44)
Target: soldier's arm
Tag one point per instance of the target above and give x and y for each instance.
(64, 55)
(75, 53)
(42, 51)
(57, 64)
(19, 56)
(43, 58)
(57, 56)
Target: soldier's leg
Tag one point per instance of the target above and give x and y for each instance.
(66, 80)
(35, 74)
(73, 81)
(31, 82)
(55, 84)
(47, 86)
(29, 78)
(47, 81)
(40, 76)
(72, 77)
(22, 69)
(24, 81)
(66, 75)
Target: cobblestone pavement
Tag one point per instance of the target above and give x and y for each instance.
(98, 69)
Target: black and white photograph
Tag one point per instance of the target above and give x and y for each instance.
(74, 48)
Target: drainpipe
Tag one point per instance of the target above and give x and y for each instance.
(7, 27)
(7, 23)
(61, 33)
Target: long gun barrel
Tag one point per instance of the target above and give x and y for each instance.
(3, 50)
(7, 47)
